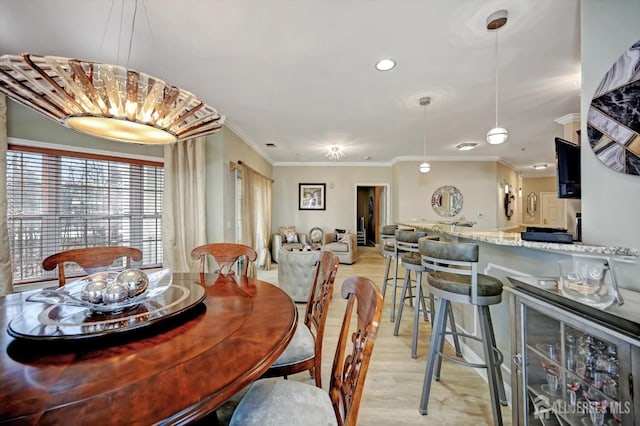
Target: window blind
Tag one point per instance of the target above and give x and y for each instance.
(59, 201)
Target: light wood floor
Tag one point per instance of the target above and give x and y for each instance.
(394, 380)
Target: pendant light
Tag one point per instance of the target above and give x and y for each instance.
(424, 166)
(495, 22)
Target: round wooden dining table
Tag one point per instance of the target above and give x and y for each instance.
(173, 371)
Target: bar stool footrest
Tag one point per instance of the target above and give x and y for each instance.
(496, 351)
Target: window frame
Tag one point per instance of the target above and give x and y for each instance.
(137, 224)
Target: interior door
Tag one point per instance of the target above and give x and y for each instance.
(554, 210)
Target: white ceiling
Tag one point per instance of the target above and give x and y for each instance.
(300, 74)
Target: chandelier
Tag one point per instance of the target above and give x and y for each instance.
(107, 101)
(335, 153)
(495, 22)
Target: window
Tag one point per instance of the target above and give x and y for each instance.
(58, 200)
(238, 207)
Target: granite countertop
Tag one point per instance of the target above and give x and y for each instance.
(513, 239)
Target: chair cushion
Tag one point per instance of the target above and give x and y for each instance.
(412, 258)
(292, 246)
(389, 246)
(461, 284)
(388, 229)
(340, 235)
(277, 402)
(409, 236)
(301, 347)
(337, 247)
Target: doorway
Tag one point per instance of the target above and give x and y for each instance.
(372, 210)
(554, 210)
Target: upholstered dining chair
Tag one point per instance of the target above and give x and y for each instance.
(289, 402)
(304, 352)
(225, 255)
(90, 259)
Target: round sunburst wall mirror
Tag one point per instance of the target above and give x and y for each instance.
(613, 122)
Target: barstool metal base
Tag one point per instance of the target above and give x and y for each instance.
(493, 357)
(419, 306)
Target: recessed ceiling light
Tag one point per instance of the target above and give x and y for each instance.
(467, 146)
(385, 64)
(539, 166)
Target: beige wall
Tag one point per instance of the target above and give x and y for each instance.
(476, 180)
(223, 148)
(341, 195)
(410, 195)
(535, 185)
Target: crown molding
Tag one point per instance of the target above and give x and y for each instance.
(569, 118)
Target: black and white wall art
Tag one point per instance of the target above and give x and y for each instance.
(613, 121)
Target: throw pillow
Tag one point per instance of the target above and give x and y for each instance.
(284, 230)
(292, 237)
(340, 235)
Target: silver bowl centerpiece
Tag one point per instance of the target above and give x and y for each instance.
(108, 292)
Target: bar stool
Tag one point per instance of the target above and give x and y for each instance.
(388, 249)
(455, 278)
(388, 245)
(412, 261)
(403, 236)
(407, 242)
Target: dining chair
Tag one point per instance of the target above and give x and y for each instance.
(225, 255)
(289, 402)
(304, 352)
(90, 259)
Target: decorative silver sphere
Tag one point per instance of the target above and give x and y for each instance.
(93, 291)
(115, 293)
(134, 280)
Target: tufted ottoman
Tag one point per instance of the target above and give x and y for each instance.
(295, 272)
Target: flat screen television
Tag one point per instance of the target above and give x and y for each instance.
(568, 169)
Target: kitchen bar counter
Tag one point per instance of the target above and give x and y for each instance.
(504, 254)
(513, 239)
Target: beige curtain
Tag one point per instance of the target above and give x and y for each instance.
(183, 210)
(256, 214)
(6, 281)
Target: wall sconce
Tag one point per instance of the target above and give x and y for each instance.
(506, 187)
(519, 192)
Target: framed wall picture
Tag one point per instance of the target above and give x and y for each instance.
(311, 196)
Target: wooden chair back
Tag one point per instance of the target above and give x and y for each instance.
(225, 255)
(349, 371)
(91, 259)
(317, 309)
